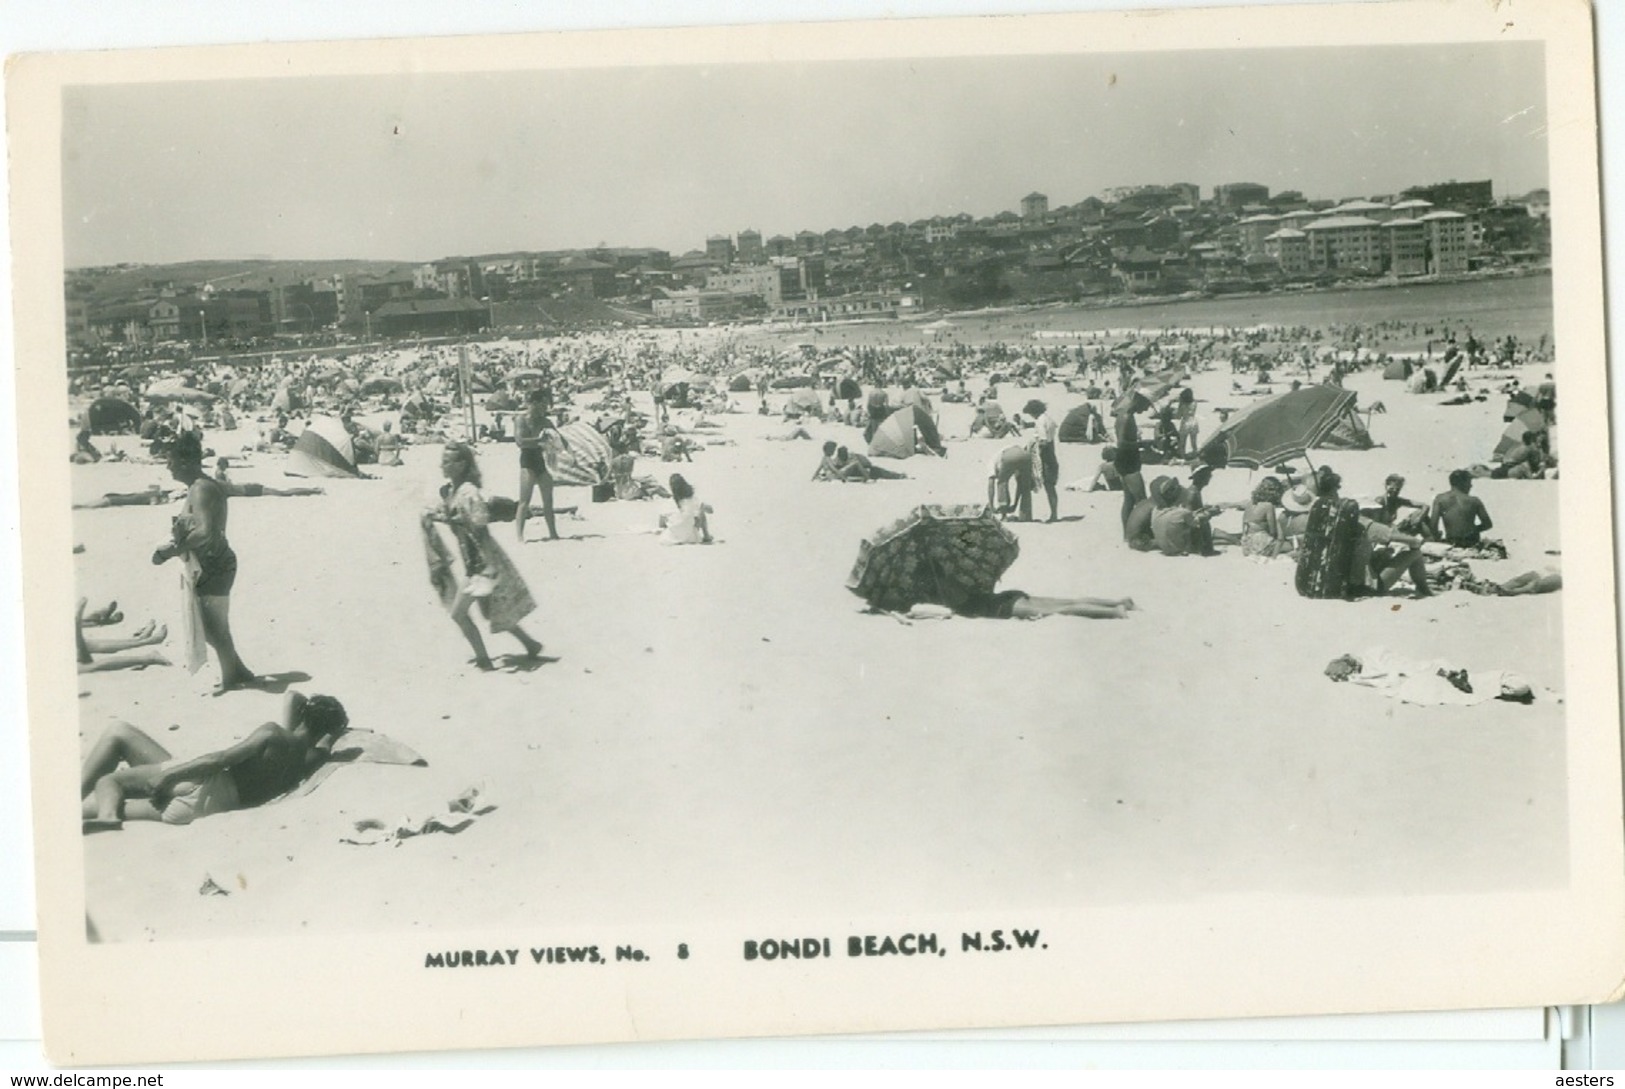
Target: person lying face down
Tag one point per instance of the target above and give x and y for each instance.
(129, 776)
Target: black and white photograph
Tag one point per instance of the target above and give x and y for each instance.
(822, 528)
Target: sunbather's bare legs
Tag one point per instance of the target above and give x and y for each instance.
(1532, 582)
(216, 613)
(123, 761)
(1409, 561)
(84, 648)
(1094, 608)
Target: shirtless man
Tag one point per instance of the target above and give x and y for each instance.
(129, 776)
(1457, 516)
(852, 466)
(200, 536)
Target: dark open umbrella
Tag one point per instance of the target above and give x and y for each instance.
(111, 416)
(937, 554)
(1517, 433)
(1286, 427)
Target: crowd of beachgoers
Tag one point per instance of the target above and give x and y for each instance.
(586, 411)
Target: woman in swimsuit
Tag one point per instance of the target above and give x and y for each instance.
(538, 445)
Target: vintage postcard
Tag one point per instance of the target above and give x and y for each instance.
(816, 528)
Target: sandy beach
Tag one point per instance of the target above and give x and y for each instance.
(721, 728)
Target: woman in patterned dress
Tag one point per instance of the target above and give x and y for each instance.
(490, 577)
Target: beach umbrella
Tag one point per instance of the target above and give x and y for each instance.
(806, 400)
(1526, 423)
(381, 383)
(794, 381)
(1517, 404)
(1082, 424)
(900, 434)
(1397, 370)
(1157, 386)
(111, 416)
(583, 449)
(847, 389)
(173, 389)
(323, 449)
(1286, 427)
(741, 383)
(938, 554)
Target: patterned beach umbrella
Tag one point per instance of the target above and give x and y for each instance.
(1285, 427)
(937, 554)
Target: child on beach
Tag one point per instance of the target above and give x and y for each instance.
(489, 576)
(689, 524)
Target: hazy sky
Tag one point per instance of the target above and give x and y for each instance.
(422, 167)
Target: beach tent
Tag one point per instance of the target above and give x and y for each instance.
(111, 416)
(1082, 424)
(174, 389)
(1517, 433)
(1285, 427)
(806, 400)
(322, 449)
(583, 449)
(1517, 404)
(1397, 370)
(899, 434)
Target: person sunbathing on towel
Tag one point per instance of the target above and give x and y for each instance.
(255, 491)
(153, 496)
(129, 776)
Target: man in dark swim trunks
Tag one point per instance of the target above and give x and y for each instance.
(1126, 434)
(200, 535)
(129, 776)
(534, 434)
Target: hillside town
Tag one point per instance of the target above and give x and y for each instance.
(1156, 241)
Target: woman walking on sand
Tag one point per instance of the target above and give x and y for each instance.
(489, 576)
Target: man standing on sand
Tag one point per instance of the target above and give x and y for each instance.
(199, 538)
(1127, 444)
(1457, 515)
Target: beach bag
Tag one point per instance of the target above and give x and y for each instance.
(1326, 558)
(502, 509)
(603, 492)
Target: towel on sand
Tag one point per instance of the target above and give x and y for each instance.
(1433, 683)
(362, 747)
(460, 812)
